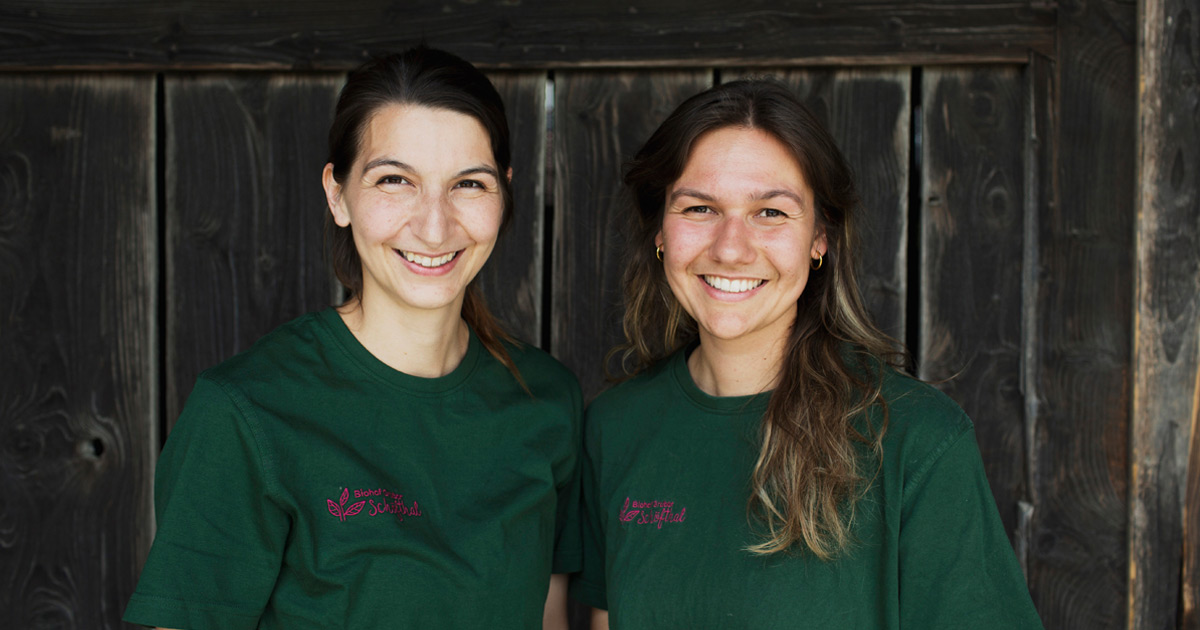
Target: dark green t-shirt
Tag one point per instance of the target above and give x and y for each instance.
(666, 481)
(309, 485)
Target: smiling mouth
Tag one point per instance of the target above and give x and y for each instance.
(732, 286)
(429, 262)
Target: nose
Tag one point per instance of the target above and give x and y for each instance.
(733, 241)
(432, 223)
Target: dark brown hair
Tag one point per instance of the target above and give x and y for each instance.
(810, 471)
(429, 78)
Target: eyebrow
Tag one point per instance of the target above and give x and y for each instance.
(763, 196)
(486, 170)
(376, 163)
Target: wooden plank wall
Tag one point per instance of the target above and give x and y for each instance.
(1165, 492)
(79, 386)
(158, 219)
(1078, 555)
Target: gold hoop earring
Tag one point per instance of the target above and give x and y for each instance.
(658, 253)
(818, 261)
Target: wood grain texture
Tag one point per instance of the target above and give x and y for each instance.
(1078, 565)
(244, 214)
(973, 228)
(79, 367)
(601, 120)
(308, 34)
(1039, 154)
(512, 279)
(1164, 527)
(868, 110)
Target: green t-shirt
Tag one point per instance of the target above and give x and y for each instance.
(309, 485)
(666, 479)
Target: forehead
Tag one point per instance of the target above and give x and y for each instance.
(741, 159)
(412, 128)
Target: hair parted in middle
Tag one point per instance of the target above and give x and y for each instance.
(436, 79)
(810, 471)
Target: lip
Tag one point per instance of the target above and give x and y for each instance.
(421, 270)
(726, 296)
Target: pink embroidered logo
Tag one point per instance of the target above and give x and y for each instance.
(340, 510)
(654, 513)
(385, 502)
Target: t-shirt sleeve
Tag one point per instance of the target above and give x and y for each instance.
(588, 586)
(957, 568)
(566, 536)
(218, 548)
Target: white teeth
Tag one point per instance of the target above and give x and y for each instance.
(732, 286)
(426, 261)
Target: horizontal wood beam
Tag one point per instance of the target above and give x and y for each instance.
(322, 35)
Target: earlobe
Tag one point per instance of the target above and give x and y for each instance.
(509, 174)
(658, 239)
(333, 197)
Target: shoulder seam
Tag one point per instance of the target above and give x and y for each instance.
(935, 455)
(245, 414)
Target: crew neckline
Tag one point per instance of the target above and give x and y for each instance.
(359, 355)
(720, 404)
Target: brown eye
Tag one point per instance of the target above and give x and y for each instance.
(392, 180)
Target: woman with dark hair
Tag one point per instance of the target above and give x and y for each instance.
(397, 461)
(768, 465)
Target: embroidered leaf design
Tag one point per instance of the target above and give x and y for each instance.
(334, 509)
(355, 509)
(345, 495)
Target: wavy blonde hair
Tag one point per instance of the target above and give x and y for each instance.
(812, 466)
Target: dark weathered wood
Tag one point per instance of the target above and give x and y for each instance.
(1078, 565)
(1165, 495)
(244, 213)
(79, 365)
(309, 34)
(1039, 154)
(512, 279)
(601, 120)
(972, 238)
(867, 111)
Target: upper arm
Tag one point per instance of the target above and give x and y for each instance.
(957, 567)
(221, 535)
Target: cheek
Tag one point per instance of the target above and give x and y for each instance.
(682, 240)
(789, 252)
(482, 218)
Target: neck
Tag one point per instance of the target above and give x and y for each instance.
(739, 367)
(424, 343)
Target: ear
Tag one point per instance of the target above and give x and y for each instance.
(658, 239)
(333, 197)
(509, 174)
(819, 245)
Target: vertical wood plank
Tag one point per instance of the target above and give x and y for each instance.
(868, 110)
(1039, 155)
(512, 278)
(244, 216)
(1164, 529)
(1078, 564)
(79, 367)
(601, 120)
(972, 237)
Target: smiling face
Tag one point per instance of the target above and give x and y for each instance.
(423, 201)
(738, 235)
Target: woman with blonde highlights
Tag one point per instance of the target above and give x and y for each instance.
(768, 465)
